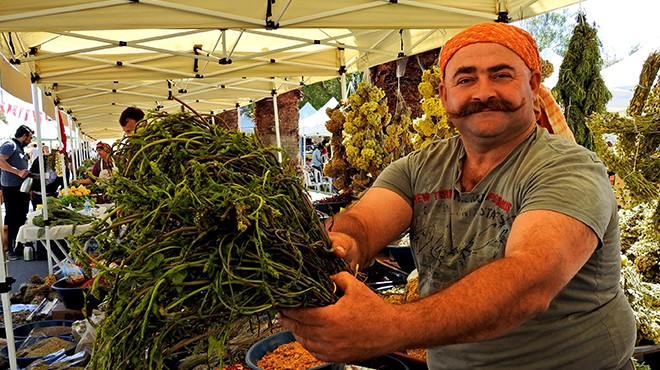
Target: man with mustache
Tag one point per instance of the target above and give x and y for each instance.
(514, 231)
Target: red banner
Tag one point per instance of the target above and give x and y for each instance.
(63, 150)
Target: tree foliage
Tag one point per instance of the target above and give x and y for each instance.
(550, 30)
(317, 94)
(581, 89)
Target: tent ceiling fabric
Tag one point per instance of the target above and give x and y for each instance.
(100, 56)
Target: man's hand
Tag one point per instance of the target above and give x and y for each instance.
(22, 173)
(345, 247)
(351, 329)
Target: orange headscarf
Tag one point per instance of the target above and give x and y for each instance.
(548, 113)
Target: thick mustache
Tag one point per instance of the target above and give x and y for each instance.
(492, 104)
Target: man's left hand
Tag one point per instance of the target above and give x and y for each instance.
(354, 328)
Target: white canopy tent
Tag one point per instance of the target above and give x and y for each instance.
(314, 125)
(100, 56)
(18, 112)
(306, 111)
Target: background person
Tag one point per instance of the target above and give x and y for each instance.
(14, 165)
(317, 157)
(102, 167)
(34, 153)
(50, 177)
(129, 119)
(514, 232)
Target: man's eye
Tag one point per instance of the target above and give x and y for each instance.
(502, 75)
(463, 81)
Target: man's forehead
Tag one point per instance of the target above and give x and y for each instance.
(487, 54)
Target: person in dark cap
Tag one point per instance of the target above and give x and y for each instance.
(14, 164)
(513, 226)
(129, 119)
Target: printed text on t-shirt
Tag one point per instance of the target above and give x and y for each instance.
(447, 194)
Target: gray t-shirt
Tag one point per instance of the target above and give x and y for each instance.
(590, 324)
(17, 158)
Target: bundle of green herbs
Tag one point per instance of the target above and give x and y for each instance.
(59, 215)
(207, 228)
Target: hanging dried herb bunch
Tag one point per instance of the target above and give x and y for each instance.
(580, 89)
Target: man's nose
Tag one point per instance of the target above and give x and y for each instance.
(483, 90)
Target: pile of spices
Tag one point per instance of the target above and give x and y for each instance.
(289, 356)
(45, 347)
(51, 330)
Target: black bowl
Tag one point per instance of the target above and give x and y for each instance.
(74, 298)
(268, 344)
(22, 331)
(23, 362)
(403, 257)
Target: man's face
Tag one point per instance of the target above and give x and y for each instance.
(25, 140)
(129, 127)
(489, 92)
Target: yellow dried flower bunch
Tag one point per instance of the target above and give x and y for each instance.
(434, 124)
(359, 147)
(366, 118)
(546, 69)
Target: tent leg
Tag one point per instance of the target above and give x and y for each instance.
(278, 140)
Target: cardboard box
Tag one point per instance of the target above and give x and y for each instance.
(62, 313)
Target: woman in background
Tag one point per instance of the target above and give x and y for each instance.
(102, 168)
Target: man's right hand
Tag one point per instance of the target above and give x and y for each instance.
(23, 173)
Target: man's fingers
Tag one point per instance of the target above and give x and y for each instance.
(340, 251)
(304, 316)
(343, 280)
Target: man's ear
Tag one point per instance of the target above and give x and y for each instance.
(535, 82)
(442, 90)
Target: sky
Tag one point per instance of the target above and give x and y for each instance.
(623, 24)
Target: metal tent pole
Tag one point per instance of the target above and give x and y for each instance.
(278, 140)
(42, 176)
(342, 75)
(65, 171)
(5, 288)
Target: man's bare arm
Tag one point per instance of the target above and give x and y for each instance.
(545, 250)
(367, 226)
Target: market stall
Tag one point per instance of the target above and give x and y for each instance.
(57, 235)
(88, 85)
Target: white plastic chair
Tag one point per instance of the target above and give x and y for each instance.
(323, 183)
(310, 181)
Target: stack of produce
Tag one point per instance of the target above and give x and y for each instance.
(208, 228)
(76, 196)
(640, 277)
